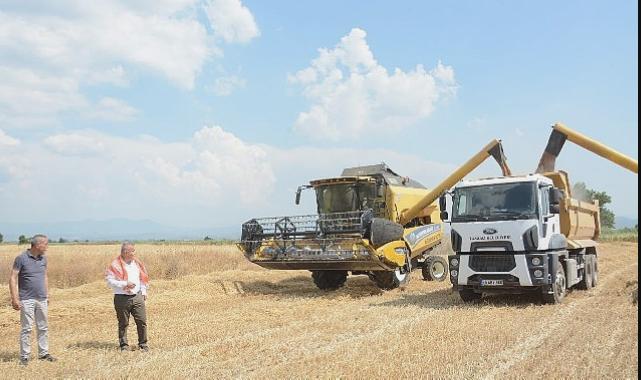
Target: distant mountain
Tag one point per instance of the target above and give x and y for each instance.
(114, 229)
(625, 222)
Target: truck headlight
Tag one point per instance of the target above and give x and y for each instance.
(538, 273)
(454, 273)
(536, 261)
(454, 263)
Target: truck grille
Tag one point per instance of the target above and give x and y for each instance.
(492, 263)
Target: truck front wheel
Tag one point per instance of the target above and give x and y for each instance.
(469, 295)
(558, 288)
(329, 279)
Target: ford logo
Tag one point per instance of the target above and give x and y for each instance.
(489, 231)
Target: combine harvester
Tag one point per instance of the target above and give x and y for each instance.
(370, 221)
(526, 234)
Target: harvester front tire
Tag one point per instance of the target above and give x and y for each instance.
(435, 268)
(329, 279)
(469, 295)
(383, 231)
(391, 280)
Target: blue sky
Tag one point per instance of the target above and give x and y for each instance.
(206, 113)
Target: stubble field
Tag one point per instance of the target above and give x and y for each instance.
(213, 315)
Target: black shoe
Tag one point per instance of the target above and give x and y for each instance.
(48, 358)
(124, 348)
(144, 348)
(24, 361)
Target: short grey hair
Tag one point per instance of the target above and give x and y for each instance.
(125, 244)
(38, 238)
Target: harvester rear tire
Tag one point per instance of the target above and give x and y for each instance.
(383, 231)
(435, 268)
(329, 279)
(391, 280)
(469, 295)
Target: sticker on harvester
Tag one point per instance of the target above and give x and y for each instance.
(421, 233)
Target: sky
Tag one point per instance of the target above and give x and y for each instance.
(197, 113)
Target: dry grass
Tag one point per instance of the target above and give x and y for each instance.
(239, 323)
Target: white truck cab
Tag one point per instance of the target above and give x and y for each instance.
(506, 235)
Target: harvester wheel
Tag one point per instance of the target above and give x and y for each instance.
(384, 231)
(588, 270)
(595, 270)
(391, 280)
(435, 268)
(558, 288)
(469, 295)
(329, 279)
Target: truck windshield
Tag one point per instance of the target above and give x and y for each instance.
(345, 197)
(494, 202)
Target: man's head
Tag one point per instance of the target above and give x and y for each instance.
(39, 244)
(127, 251)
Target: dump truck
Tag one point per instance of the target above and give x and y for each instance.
(527, 233)
(369, 221)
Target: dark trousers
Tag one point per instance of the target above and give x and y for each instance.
(125, 306)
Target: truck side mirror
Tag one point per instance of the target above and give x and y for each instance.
(555, 196)
(555, 208)
(442, 202)
(300, 188)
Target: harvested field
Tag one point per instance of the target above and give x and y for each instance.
(239, 321)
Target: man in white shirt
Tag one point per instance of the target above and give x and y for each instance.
(128, 278)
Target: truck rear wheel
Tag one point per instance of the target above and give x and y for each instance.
(595, 270)
(558, 288)
(435, 268)
(329, 279)
(588, 273)
(391, 280)
(469, 295)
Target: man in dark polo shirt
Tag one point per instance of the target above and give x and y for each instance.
(29, 287)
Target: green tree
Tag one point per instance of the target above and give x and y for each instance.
(22, 239)
(581, 191)
(1, 238)
(207, 238)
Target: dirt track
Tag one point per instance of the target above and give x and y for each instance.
(267, 324)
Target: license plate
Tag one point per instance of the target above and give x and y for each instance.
(491, 282)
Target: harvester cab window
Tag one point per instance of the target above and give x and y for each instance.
(345, 197)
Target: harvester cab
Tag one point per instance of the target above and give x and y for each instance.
(369, 220)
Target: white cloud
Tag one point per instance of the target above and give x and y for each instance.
(6, 140)
(352, 94)
(113, 110)
(76, 144)
(52, 51)
(231, 21)
(224, 86)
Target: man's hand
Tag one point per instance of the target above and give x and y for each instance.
(129, 287)
(16, 304)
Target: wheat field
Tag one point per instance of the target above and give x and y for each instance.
(211, 314)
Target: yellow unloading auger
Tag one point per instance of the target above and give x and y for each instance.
(561, 133)
(492, 149)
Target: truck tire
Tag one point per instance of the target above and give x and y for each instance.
(383, 231)
(558, 288)
(595, 270)
(469, 295)
(329, 279)
(391, 280)
(588, 272)
(435, 268)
